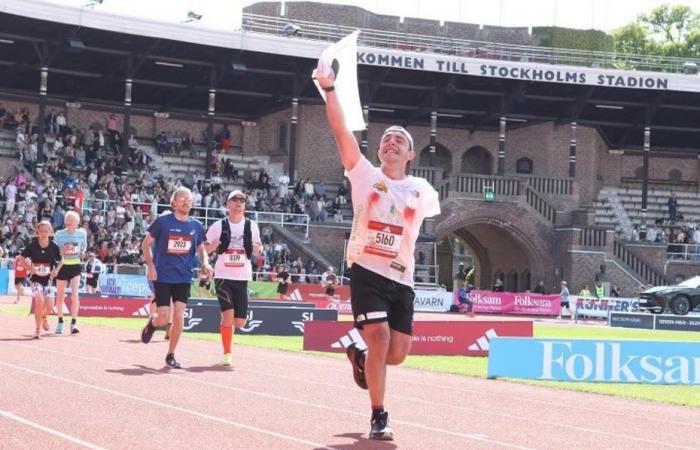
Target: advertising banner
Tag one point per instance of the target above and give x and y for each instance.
(256, 289)
(341, 307)
(471, 338)
(276, 321)
(632, 320)
(595, 360)
(311, 292)
(438, 301)
(113, 306)
(515, 303)
(677, 323)
(5, 279)
(130, 285)
(594, 307)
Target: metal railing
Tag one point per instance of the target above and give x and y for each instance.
(644, 270)
(687, 252)
(593, 237)
(556, 186)
(541, 205)
(464, 47)
(474, 184)
(208, 215)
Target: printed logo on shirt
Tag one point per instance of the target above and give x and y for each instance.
(381, 186)
(398, 267)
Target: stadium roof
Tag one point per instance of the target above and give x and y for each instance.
(257, 73)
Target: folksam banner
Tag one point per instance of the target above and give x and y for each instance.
(515, 303)
(595, 360)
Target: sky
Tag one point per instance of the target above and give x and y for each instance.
(603, 15)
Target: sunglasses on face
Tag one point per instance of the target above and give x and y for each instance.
(238, 199)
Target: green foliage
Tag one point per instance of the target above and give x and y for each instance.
(665, 31)
(557, 37)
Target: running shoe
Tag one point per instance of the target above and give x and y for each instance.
(36, 334)
(45, 324)
(172, 362)
(74, 329)
(380, 428)
(59, 328)
(357, 359)
(227, 360)
(147, 332)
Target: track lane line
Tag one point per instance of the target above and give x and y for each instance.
(48, 430)
(167, 406)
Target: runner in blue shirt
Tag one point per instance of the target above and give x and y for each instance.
(169, 249)
(73, 243)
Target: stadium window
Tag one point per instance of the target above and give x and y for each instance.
(523, 165)
(441, 158)
(477, 160)
(512, 281)
(525, 280)
(675, 175)
(282, 139)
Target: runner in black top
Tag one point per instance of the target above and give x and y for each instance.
(41, 256)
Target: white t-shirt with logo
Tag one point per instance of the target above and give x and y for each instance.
(234, 264)
(387, 219)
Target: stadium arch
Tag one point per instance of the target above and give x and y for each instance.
(504, 236)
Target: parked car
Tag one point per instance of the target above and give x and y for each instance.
(679, 299)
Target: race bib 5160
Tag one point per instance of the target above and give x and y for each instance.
(383, 239)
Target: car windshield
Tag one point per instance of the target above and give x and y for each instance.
(690, 283)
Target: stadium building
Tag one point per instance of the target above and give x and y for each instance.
(549, 162)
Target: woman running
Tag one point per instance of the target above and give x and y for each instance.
(40, 257)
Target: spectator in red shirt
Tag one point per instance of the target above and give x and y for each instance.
(20, 277)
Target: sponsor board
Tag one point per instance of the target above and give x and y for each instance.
(471, 338)
(677, 323)
(595, 361)
(632, 320)
(312, 292)
(118, 284)
(439, 301)
(114, 306)
(594, 307)
(655, 321)
(515, 303)
(276, 321)
(341, 307)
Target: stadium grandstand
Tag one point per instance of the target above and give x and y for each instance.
(549, 162)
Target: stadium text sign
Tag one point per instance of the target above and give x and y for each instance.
(595, 361)
(528, 71)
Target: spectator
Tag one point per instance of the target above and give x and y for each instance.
(599, 290)
(672, 207)
(539, 289)
(283, 184)
(464, 301)
(585, 292)
(498, 285)
(615, 291)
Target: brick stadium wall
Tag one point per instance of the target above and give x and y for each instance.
(329, 242)
(583, 267)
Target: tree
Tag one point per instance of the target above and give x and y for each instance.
(673, 23)
(666, 31)
(633, 38)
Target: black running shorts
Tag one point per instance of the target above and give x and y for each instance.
(69, 271)
(178, 292)
(92, 281)
(378, 299)
(233, 294)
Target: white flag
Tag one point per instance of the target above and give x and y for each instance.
(342, 58)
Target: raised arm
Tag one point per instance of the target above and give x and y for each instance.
(348, 148)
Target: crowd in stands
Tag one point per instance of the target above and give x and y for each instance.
(119, 195)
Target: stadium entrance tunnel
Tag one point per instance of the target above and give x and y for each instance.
(505, 240)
